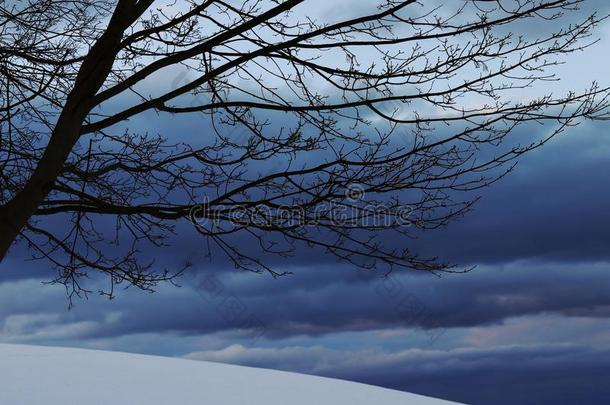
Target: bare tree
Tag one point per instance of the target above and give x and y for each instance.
(409, 102)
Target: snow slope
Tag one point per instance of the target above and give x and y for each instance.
(32, 375)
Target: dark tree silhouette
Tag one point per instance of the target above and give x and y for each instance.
(290, 120)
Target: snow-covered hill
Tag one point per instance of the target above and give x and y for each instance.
(32, 375)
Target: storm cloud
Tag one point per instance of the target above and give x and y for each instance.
(530, 324)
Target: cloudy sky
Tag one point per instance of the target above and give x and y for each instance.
(530, 324)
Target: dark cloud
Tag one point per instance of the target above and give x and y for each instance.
(553, 207)
(540, 238)
(324, 300)
(543, 374)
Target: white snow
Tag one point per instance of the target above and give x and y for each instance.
(32, 375)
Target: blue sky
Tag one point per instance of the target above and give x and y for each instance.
(531, 324)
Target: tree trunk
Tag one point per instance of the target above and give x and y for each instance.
(92, 74)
